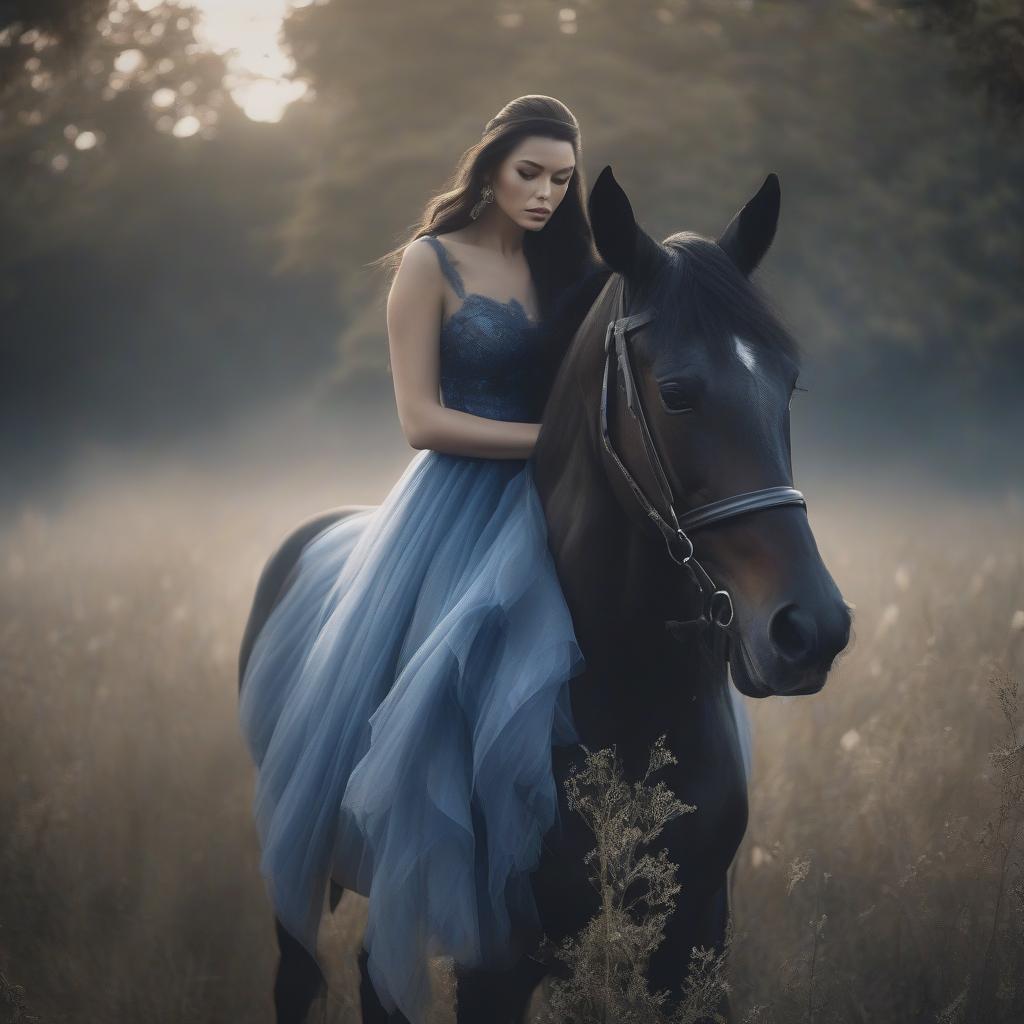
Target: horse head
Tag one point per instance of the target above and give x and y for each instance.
(693, 436)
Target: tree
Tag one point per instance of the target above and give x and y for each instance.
(990, 39)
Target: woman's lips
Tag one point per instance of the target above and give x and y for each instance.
(538, 213)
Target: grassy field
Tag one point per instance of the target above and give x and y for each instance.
(877, 881)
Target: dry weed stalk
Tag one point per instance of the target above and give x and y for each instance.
(607, 961)
(12, 1004)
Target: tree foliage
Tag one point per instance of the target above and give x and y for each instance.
(989, 34)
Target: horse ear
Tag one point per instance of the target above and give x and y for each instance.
(749, 234)
(623, 244)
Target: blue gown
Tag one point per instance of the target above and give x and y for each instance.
(402, 698)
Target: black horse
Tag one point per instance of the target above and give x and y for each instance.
(714, 372)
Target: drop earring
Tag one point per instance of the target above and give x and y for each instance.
(486, 196)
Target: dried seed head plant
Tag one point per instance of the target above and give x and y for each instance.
(606, 963)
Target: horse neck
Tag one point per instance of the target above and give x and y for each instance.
(619, 583)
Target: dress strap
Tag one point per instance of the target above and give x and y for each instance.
(447, 267)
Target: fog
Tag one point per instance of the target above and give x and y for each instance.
(194, 361)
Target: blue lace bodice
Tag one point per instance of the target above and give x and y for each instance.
(490, 353)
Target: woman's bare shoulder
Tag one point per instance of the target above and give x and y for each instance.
(458, 243)
(420, 257)
(458, 236)
(418, 278)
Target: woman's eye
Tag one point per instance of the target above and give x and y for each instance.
(530, 177)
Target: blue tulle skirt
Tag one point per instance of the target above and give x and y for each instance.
(401, 702)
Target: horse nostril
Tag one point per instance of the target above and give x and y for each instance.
(794, 634)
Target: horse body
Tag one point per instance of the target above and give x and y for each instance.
(717, 374)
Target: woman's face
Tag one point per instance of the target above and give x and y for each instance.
(535, 175)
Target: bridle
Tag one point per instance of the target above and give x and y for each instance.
(716, 604)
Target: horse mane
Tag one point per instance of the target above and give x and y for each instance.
(569, 347)
(699, 292)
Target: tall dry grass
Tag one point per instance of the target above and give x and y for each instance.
(880, 878)
(877, 880)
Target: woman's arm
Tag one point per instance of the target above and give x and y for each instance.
(414, 312)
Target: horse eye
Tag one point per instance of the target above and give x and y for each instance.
(674, 399)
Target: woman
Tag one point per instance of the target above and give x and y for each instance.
(402, 698)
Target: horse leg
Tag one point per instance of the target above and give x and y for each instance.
(337, 892)
(497, 997)
(373, 1012)
(697, 922)
(299, 979)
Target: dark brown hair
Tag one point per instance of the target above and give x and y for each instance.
(560, 255)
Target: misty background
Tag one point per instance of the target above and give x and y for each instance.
(193, 359)
(191, 196)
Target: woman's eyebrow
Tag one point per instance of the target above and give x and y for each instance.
(541, 166)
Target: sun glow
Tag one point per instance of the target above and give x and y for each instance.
(247, 35)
